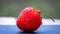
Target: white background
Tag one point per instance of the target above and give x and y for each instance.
(12, 21)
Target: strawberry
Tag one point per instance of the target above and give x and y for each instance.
(29, 19)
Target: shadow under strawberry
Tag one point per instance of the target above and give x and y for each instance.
(22, 32)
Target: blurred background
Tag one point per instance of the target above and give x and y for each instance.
(12, 8)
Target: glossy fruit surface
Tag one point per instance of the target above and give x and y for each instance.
(29, 19)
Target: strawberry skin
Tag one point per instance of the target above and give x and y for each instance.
(29, 19)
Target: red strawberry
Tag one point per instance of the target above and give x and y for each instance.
(29, 19)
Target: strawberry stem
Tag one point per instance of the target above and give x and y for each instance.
(48, 16)
(44, 14)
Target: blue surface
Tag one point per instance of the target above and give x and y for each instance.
(44, 29)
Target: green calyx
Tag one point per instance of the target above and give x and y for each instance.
(44, 14)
